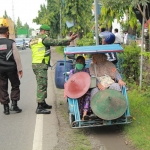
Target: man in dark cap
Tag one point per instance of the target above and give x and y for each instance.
(40, 47)
(109, 38)
(10, 69)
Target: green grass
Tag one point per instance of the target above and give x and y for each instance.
(139, 130)
(79, 141)
(60, 49)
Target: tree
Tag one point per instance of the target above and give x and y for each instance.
(50, 15)
(19, 23)
(26, 25)
(78, 11)
(118, 8)
(5, 15)
(56, 10)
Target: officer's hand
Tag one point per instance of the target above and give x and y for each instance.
(73, 36)
(20, 74)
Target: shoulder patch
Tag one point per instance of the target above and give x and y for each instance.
(3, 47)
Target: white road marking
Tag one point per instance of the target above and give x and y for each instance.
(38, 133)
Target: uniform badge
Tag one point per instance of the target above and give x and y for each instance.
(3, 47)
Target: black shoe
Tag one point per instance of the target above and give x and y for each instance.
(6, 109)
(46, 106)
(15, 108)
(41, 110)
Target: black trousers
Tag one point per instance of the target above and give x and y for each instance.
(12, 76)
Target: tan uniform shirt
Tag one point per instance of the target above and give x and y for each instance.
(16, 56)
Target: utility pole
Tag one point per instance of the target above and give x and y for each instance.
(142, 48)
(13, 14)
(60, 18)
(96, 22)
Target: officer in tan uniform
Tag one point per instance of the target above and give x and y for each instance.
(40, 47)
(10, 69)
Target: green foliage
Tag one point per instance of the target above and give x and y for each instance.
(85, 42)
(5, 15)
(146, 70)
(57, 13)
(116, 9)
(146, 54)
(130, 63)
(80, 12)
(19, 23)
(138, 30)
(124, 26)
(113, 4)
(50, 15)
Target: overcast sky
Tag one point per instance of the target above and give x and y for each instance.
(26, 10)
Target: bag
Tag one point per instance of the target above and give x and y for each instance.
(106, 81)
(93, 82)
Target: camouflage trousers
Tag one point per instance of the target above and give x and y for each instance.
(40, 71)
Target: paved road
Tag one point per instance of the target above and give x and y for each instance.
(26, 130)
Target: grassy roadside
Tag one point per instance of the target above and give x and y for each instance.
(60, 49)
(138, 132)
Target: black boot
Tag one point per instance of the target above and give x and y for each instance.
(41, 110)
(6, 109)
(46, 106)
(14, 107)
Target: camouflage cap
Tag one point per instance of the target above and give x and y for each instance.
(45, 27)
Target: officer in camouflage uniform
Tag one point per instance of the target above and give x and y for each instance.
(40, 47)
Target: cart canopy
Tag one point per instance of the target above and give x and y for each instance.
(93, 49)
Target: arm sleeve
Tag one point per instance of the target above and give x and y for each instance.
(71, 73)
(118, 76)
(54, 42)
(87, 70)
(17, 57)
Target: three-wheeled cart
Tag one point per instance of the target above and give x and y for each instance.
(115, 100)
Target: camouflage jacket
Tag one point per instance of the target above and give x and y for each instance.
(47, 41)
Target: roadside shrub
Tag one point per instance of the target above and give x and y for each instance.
(130, 63)
(85, 42)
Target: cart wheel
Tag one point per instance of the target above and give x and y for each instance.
(71, 119)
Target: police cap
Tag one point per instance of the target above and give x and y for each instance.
(45, 27)
(3, 29)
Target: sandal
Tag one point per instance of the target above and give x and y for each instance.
(86, 117)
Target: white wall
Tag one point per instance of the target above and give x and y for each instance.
(115, 24)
